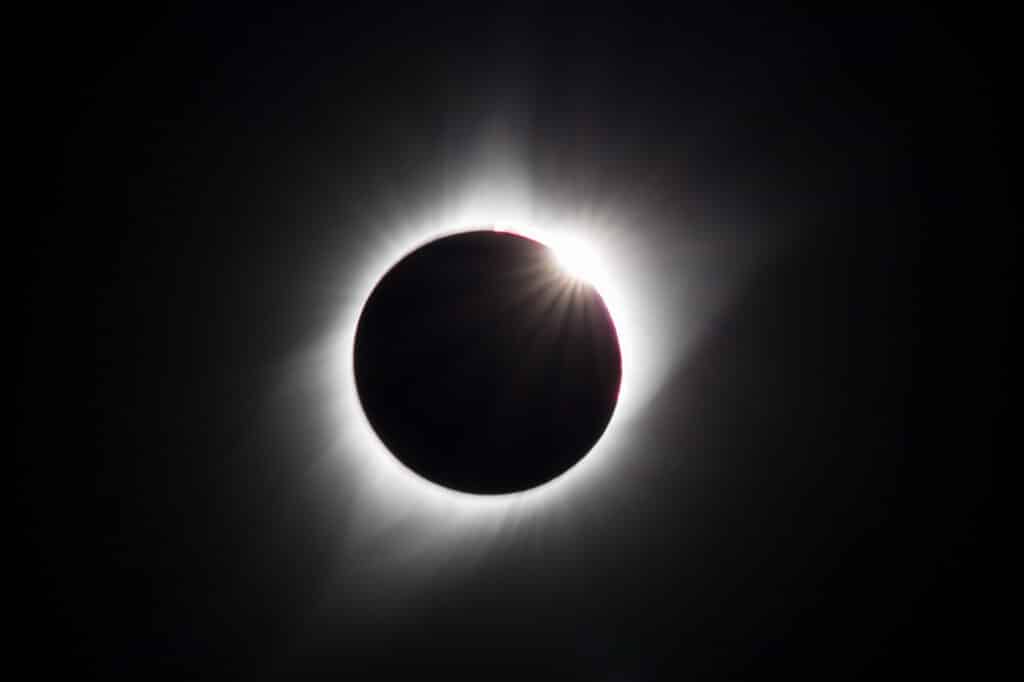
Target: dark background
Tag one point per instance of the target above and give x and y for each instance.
(847, 406)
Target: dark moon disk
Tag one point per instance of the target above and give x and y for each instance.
(484, 367)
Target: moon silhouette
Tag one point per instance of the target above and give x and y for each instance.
(484, 366)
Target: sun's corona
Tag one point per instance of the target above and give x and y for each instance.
(591, 249)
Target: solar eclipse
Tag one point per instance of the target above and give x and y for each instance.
(356, 341)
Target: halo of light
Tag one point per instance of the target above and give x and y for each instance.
(405, 520)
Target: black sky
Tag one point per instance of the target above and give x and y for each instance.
(196, 174)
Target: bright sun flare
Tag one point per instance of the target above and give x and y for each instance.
(578, 259)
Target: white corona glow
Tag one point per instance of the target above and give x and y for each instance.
(410, 520)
